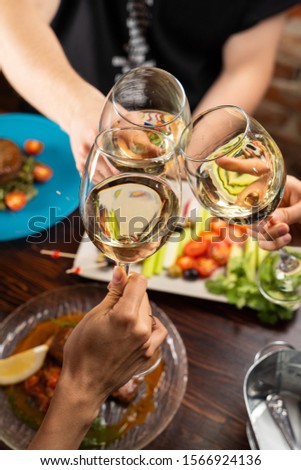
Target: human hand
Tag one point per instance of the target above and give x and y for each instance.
(134, 143)
(284, 225)
(250, 166)
(114, 341)
(254, 161)
(111, 343)
(83, 127)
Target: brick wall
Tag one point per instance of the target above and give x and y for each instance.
(280, 111)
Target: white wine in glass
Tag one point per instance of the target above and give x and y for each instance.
(130, 197)
(234, 167)
(147, 97)
(237, 172)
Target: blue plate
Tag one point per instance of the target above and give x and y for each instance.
(56, 198)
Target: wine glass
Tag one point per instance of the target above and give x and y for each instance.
(147, 97)
(279, 278)
(237, 172)
(130, 198)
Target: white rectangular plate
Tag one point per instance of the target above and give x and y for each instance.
(87, 255)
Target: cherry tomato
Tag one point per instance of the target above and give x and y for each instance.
(196, 248)
(16, 200)
(206, 266)
(237, 233)
(219, 252)
(219, 226)
(186, 262)
(42, 172)
(33, 147)
(210, 237)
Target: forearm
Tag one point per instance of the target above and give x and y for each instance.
(244, 87)
(34, 63)
(248, 64)
(68, 419)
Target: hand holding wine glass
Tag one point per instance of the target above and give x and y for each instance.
(130, 201)
(284, 225)
(237, 172)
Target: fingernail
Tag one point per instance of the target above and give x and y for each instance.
(287, 238)
(117, 275)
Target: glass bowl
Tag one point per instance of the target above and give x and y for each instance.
(166, 398)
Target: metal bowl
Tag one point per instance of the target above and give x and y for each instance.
(276, 371)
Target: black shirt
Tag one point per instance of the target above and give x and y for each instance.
(105, 38)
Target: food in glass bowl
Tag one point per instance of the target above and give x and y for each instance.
(31, 398)
(19, 171)
(119, 425)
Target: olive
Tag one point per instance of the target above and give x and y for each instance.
(101, 257)
(191, 274)
(174, 271)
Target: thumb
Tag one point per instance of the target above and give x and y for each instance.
(288, 215)
(115, 287)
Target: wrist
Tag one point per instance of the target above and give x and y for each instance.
(85, 108)
(82, 394)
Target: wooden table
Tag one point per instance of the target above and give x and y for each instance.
(221, 341)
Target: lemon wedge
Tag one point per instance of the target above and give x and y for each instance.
(20, 366)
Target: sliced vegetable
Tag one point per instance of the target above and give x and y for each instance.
(159, 260)
(148, 265)
(201, 222)
(239, 284)
(171, 254)
(250, 256)
(185, 238)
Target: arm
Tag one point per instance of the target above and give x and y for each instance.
(112, 343)
(248, 62)
(34, 63)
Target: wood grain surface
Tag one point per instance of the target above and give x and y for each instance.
(221, 341)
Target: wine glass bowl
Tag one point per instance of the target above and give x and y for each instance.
(279, 280)
(233, 166)
(147, 97)
(130, 196)
(236, 171)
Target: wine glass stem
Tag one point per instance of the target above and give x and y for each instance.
(288, 262)
(124, 266)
